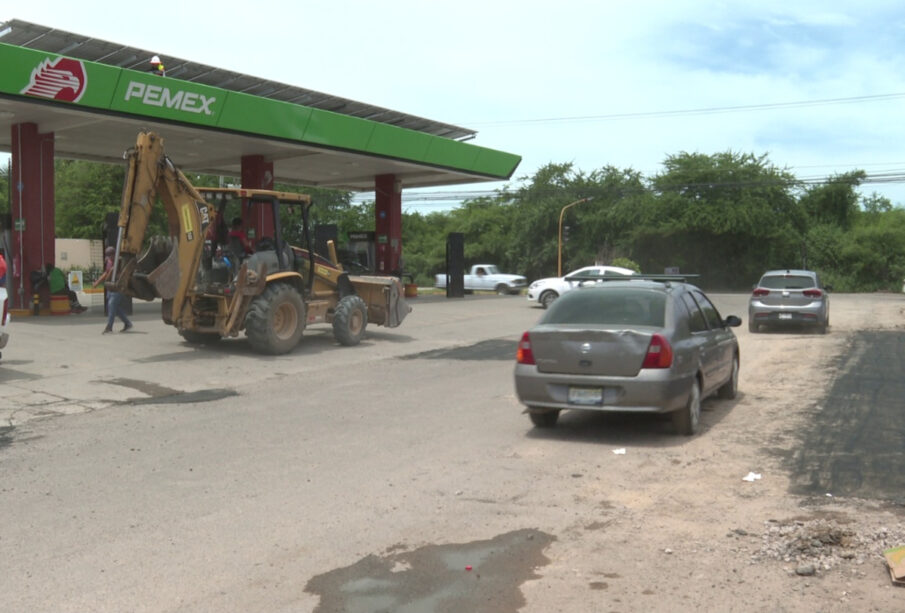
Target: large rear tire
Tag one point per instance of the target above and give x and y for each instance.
(276, 320)
(687, 419)
(350, 318)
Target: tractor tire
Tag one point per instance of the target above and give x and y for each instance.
(199, 338)
(276, 320)
(350, 318)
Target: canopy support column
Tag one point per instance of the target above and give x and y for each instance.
(388, 223)
(257, 173)
(32, 212)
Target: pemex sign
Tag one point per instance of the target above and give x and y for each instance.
(62, 79)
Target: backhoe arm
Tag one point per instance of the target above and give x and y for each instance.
(166, 269)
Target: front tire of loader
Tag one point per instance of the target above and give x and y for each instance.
(350, 318)
(275, 320)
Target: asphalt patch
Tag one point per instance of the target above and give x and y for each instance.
(478, 577)
(159, 394)
(855, 444)
(493, 349)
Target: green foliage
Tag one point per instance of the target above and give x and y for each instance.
(727, 216)
(835, 202)
(626, 263)
(5, 192)
(85, 193)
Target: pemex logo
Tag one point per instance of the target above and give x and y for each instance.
(62, 79)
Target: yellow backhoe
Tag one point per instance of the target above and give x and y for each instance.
(209, 291)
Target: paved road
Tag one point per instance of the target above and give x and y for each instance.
(138, 473)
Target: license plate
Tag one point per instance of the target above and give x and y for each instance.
(585, 395)
(785, 316)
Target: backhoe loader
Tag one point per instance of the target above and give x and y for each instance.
(209, 291)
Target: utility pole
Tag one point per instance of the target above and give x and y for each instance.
(559, 250)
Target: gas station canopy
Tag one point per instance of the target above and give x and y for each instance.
(94, 96)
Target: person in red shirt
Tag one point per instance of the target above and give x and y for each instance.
(237, 235)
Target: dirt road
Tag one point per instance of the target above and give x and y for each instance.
(147, 475)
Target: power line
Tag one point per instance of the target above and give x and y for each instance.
(442, 199)
(691, 112)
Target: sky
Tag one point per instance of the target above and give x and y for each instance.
(817, 86)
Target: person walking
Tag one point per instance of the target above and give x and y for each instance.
(114, 299)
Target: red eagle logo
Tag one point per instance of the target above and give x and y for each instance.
(62, 79)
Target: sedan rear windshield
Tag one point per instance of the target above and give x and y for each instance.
(609, 306)
(787, 282)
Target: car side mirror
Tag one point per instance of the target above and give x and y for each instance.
(732, 321)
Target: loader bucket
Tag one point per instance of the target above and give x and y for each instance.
(384, 297)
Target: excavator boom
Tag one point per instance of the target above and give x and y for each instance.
(166, 269)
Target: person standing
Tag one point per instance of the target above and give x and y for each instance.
(114, 299)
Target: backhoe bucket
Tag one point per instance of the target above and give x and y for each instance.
(384, 297)
(157, 270)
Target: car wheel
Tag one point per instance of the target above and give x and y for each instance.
(730, 388)
(502, 289)
(547, 298)
(753, 328)
(687, 419)
(544, 419)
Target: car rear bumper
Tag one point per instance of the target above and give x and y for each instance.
(651, 391)
(787, 315)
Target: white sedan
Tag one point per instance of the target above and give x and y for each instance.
(545, 291)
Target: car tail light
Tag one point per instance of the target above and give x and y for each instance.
(659, 353)
(524, 355)
(812, 293)
(761, 292)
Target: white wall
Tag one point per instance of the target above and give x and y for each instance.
(78, 253)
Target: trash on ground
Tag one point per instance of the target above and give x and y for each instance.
(751, 477)
(895, 561)
(619, 451)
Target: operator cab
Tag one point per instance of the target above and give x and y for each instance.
(225, 251)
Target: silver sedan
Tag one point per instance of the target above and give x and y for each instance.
(632, 346)
(789, 298)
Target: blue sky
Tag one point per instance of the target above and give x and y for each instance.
(519, 72)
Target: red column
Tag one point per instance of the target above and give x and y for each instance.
(257, 173)
(32, 204)
(388, 223)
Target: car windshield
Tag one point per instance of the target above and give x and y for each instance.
(609, 306)
(492, 270)
(786, 282)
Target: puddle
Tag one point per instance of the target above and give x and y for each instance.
(436, 578)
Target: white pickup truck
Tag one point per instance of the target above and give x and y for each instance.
(488, 277)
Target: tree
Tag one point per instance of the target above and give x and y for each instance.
(836, 201)
(726, 216)
(85, 192)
